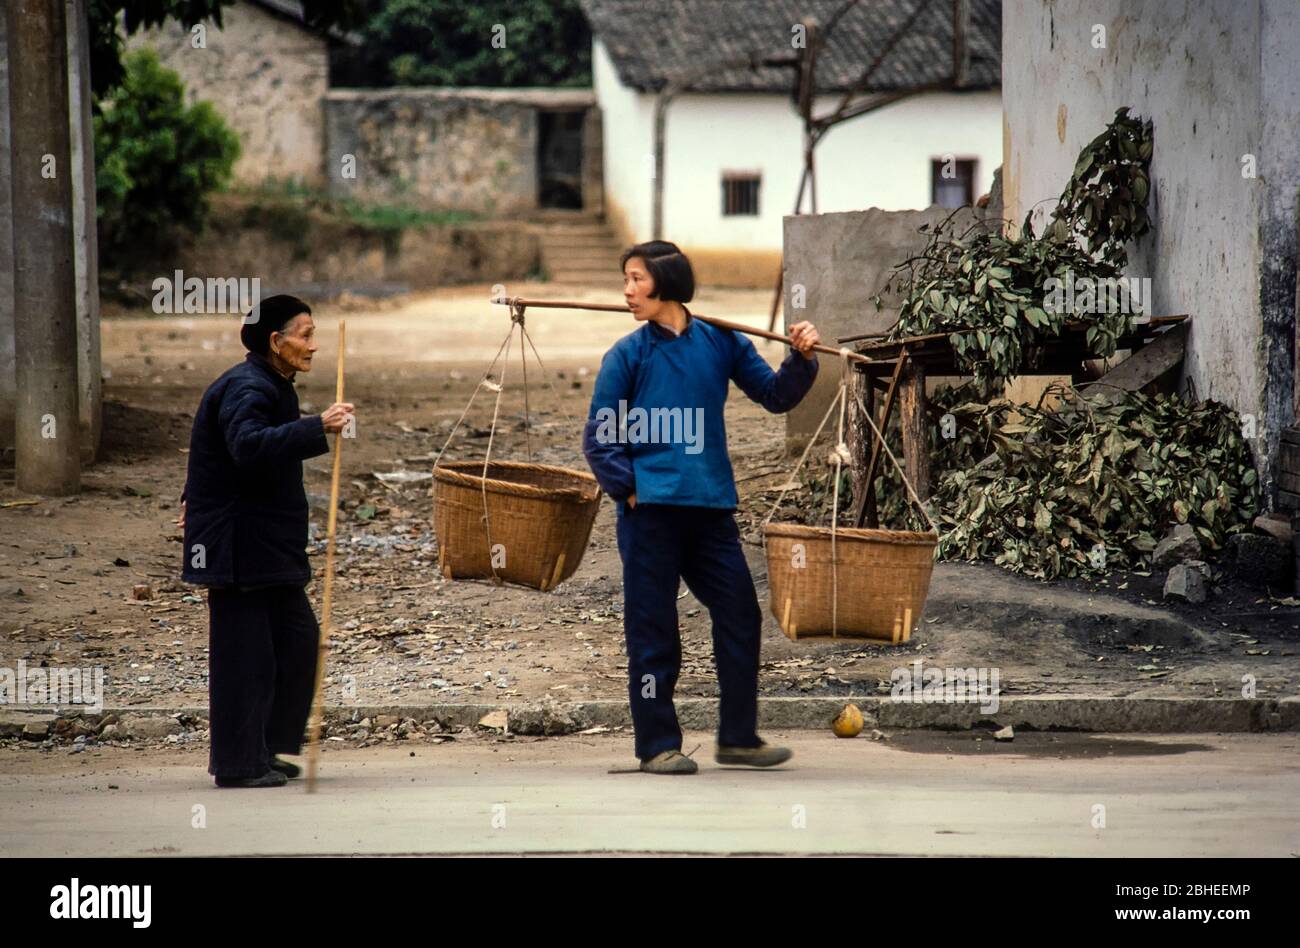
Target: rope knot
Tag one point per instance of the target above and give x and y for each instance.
(839, 455)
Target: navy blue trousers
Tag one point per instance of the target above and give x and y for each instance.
(662, 544)
(263, 646)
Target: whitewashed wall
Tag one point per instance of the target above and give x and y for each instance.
(1218, 79)
(877, 160)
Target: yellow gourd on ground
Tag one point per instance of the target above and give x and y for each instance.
(848, 723)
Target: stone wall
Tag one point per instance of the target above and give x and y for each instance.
(266, 75)
(440, 149)
(313, 252)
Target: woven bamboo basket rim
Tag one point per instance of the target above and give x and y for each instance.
(900, 537)
(451, 474)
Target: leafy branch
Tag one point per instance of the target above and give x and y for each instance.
(991, 292)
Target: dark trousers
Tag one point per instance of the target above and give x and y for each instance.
(262, 651)
(661, 544)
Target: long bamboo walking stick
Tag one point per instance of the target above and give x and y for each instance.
(313, 744)
(712, 320)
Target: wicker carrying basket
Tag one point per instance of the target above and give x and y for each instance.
(883, 579)
(540, 516)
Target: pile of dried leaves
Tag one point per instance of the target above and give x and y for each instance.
(1083, 488)
(1073, 486)
(993, 293)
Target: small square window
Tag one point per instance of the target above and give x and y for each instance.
(740, 193)
(952, 181)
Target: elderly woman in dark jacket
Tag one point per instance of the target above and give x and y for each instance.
(244, 514)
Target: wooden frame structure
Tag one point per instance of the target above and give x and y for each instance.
(899, 368)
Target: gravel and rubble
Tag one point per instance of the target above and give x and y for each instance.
(92, 581)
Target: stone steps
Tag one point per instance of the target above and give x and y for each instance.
(580, 251)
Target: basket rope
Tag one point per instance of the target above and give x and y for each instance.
(487, 457)
(516, 320)
(911, 491)
(474, 394)
(517, 316)
(546, 375)
(845, 368)
(792, 483)
(840, 401)
(837, 401)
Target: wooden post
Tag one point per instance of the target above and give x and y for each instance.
(807, 80)
(662, 101)
(859, 437)
(90, 386)
(804, 94)
(916, 429)
(960, 47)
(864, 507)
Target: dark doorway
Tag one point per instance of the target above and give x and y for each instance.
(559, 159)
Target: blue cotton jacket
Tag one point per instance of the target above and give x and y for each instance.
(656, 424)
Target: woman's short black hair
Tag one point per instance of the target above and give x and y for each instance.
(270, 315)
(668, 267)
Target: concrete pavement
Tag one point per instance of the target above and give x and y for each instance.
(919, 793)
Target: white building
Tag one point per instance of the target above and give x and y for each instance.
(733, 143)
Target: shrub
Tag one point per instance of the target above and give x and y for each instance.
(157, 161)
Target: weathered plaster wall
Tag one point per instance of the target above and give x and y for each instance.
(835, 264)
(266, 76)
(1218, 80)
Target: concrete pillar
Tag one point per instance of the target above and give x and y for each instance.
(85, 232)
(8, 389)
(47, 428)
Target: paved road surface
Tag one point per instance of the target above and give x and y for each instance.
(923, 794)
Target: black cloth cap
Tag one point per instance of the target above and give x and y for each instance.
(270, 315)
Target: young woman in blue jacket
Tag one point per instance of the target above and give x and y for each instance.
(656, 440)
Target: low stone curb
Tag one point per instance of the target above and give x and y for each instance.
(1037, 713)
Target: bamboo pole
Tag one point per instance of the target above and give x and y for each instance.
(313, 744)
(711, 320)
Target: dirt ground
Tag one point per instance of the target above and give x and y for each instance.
(404, 634)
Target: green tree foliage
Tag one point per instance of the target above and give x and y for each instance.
(157, 160)
(450, 43)
(1105, 202)
(106, 39)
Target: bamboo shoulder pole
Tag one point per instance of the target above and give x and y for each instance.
(313, 745)
(713, 321)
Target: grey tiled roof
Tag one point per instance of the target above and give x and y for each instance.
(649, 40)
(293, 10)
